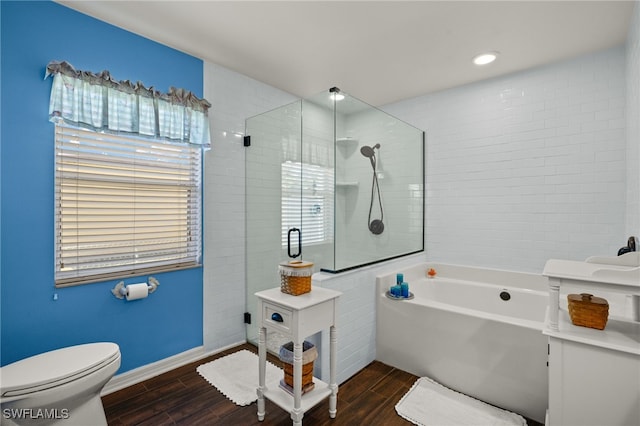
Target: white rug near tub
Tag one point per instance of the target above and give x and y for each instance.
(236, 375)
(428, 403)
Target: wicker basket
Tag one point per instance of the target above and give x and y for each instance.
(309, 355)
(588, 311)
(295, 277)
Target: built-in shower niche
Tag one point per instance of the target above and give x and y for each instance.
(348, 175)
(345, 148)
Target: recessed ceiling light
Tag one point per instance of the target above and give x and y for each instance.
(485, 58)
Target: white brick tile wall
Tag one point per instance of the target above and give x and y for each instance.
(356, 329)
(234, 98)
(526, 167)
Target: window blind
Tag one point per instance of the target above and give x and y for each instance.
(307, 201)
(125, 205)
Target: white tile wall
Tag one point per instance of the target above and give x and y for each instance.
(356, 328)
(234, 97)
(526, 167)
(633, 125)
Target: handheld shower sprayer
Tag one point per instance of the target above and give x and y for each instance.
(368, 151)
(376, 226)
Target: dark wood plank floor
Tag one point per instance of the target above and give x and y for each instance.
(183, 397)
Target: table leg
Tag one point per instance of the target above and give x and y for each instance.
(554, 304)
(333, 398)
(262, 365)
(634, 306)
(296, 413)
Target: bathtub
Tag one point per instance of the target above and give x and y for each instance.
(459, 331)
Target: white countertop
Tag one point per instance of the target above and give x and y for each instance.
(622, 270)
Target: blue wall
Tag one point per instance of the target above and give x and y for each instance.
(167, 322)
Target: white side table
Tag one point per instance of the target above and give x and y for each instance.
(297, 317)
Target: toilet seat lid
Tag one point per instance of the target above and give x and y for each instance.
(55, 367)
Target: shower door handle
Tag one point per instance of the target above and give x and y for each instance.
(293, 256)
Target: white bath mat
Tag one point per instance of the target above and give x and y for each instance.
(428, 403)
(236, 375)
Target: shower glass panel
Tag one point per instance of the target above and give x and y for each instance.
(348, 176)
(379, 201)
(289, 196)
(276, 141)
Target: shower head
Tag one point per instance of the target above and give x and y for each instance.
(368, 151)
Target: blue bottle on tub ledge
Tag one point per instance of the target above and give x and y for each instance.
(404, 289)
(396, 290)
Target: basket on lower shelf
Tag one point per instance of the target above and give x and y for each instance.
(295, 277)
(309, 355)
(588, 311)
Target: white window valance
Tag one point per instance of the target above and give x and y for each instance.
(100, 103)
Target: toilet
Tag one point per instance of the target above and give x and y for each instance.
(61, 387)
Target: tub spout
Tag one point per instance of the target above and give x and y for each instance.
(631, 246)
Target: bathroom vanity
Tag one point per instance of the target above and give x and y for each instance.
(594, 375)
(297, 317)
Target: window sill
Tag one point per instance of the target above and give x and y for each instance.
(71, 282)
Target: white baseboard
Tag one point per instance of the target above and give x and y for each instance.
(146, 372)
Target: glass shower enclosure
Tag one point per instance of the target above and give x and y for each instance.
(330, 180)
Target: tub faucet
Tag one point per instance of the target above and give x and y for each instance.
(631, 246)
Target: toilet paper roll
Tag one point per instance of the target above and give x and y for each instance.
(137, 291)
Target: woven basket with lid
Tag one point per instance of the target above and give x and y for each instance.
(588, 311)
(309, 355)
(295, 277)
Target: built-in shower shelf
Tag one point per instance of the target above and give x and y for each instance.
(346, 140)
(353, 184)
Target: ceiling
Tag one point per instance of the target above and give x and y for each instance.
(377, 51)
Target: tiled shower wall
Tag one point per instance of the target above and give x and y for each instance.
(633, 125)
(234, 98)
(527, 167)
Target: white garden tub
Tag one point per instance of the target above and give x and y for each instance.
(459, 331)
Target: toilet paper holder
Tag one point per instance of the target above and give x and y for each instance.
(120, 290)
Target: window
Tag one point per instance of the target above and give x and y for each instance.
(307, 202)
(125, 205)
(128, 176)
